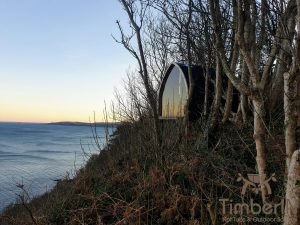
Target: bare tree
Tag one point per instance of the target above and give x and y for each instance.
(218, 94)
(160, 47)
(258, 55)
(292, 112)
(290, 84)
(292, 205)
(131, 104)
(136, 11)
(234, 55)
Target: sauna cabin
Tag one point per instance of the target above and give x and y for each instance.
(174, 89)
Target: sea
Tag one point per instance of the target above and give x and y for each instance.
(34, 157)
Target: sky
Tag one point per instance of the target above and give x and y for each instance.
(58, 60)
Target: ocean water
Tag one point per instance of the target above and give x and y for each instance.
(35, 155)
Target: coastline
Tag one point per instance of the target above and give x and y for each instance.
(34, 155)
(71, 123)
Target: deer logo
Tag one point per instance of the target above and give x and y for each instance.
(253, 183)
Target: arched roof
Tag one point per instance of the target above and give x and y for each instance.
(198, 77)
(196, 104)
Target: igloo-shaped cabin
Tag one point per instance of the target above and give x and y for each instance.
(174, 89)
(173, 92)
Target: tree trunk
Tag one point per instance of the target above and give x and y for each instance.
(259, 138)
(191, 89)
(191, 79)
(277, 87)
(218, 95)
(290, 89)
(292, 204)
(289, 119)
(292, 110)
(244, 99)
(233, 64)
(151, 95)
(228, 104)
(206, 92)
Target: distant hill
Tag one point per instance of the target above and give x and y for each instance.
(70, 123)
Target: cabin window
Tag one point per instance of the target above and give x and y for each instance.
(175, 95)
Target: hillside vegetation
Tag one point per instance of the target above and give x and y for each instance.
(130, 182)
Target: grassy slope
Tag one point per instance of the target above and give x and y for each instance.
(131, 182)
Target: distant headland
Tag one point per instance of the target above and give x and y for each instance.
(72, 123)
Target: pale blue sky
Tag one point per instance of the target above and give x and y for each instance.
(58, 60)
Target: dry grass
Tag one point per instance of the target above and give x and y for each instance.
(131, 182)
